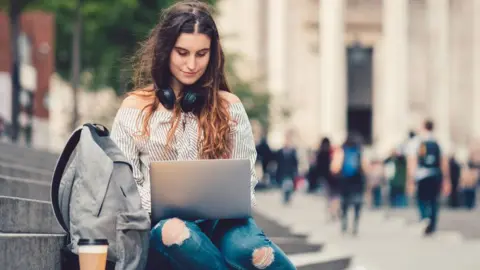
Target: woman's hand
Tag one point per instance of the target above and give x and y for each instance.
(446, 187)
(411, 188)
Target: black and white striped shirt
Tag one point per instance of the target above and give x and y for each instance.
(141, 151)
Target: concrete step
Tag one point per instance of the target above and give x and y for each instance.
(19, 150)
(325, 260)
(30, 251)
(27, 216)
(28, 161)
(274, 229)
(23, 188)
(20, 171)
(27, 156)
(295, 245)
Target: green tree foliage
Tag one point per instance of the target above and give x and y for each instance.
(256, 103)
(112, 30)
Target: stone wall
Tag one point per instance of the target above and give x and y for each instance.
(431, 91)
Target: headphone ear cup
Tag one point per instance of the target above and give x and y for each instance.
(166, 97)
(191, 101)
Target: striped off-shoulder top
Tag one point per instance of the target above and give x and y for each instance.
(141, 151)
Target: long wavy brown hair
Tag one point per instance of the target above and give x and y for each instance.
(151, 66)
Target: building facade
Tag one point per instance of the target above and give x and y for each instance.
(376, 67)
(37, 63)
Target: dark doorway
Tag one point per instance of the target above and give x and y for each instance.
(360, 84)
(360, 120)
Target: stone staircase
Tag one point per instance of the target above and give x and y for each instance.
(387, 240)
(30, 236)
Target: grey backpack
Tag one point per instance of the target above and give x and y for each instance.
(94, 195)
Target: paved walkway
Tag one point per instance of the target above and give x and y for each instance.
(394, 243)
(465, 222)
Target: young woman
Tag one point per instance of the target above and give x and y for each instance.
(324, 160)
(183, 109)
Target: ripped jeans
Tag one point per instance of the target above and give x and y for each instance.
(217, 244)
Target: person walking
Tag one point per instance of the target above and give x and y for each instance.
(287, 167)
(350, 165)
(429, 174)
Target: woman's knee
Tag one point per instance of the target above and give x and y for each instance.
(244, 245)
(263, 257)
(170, 232)
(246, 256)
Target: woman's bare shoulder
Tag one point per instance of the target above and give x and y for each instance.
(229, 97)
(138, 99)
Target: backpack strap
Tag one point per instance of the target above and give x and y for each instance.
(62, 164)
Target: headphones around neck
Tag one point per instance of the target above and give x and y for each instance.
(191, 101)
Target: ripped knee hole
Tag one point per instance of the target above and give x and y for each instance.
(174, 232)
(263, 257)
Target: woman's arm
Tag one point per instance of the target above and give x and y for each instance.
(123, 135)
(412, 163)
(243, 143)
(366, 167)
(337, 161)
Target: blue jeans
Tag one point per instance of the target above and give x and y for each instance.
(218, 244)
(398, 199)
(354, 199)
(377, 196)
(428, 192)
(470, 198)
(288, 187)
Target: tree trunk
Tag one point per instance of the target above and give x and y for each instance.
(76, 48)
(15, 9)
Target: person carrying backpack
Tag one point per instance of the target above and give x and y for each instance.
(350, 167)
(427, 168)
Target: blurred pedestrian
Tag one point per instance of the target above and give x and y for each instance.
(264, 157)
(287, 168)
(455, 169)
(397, 178)
(375, 182)
(468, 184)
(350, 165)
(429, 174)
(2, 127)
(470, 177)
(323, 163)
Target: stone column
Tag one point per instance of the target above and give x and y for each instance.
(394, 94)
(378, 86)
(417, 64)
(276, 68)
(439, 73)
(332, 103)
(240, 36)
(475, 98)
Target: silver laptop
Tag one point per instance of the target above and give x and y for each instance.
(200, 189)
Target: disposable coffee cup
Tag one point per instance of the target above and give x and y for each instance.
(92, 254)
